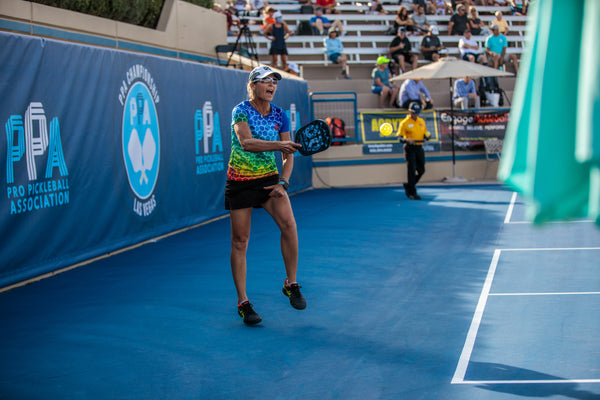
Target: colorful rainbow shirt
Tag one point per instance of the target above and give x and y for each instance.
(245, 165)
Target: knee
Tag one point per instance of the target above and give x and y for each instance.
(239, 242)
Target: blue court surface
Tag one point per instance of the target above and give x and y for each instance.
(451, 297)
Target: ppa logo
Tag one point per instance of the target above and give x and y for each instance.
(140, 137)
(31, 148)
(208, 140)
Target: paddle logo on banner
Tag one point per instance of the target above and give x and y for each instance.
(140, 136)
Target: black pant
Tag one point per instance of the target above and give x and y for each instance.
(415, 165)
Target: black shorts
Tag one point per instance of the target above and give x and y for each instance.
(246, 194)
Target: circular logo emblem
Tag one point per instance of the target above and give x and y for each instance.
(141, 140)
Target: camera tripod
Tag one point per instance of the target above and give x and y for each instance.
(250, 46)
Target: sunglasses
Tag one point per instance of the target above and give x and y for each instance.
(268, 80)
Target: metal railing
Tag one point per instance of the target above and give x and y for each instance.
(342, 105)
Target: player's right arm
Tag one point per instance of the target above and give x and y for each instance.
(254, 145)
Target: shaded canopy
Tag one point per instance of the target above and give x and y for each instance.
(450, 67)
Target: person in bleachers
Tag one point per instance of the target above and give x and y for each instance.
(428, 5)
(469, 49)
(518, 7)
(381, 83)
(431, 45)
(476, 25)
(456, 3)
(459, 22)
(328, 6)
(335, 51)
(465, 93)
(441, 7)
(375, 7)
(403, 20)
(268, 18)
(411, 91)
(292, 68)
(500, 22)
(420, 20)
(400, 51)
(321, 24)
(496, 45)
(257, 5)
(277, 33)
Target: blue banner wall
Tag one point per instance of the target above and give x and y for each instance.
(103, 149)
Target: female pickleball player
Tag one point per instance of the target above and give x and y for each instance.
(258, 129)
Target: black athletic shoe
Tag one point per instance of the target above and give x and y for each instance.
(293, 292)
(248, 314)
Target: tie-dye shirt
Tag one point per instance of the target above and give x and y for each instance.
(245, 165)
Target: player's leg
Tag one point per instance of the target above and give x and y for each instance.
(240, 236)
(280, 209)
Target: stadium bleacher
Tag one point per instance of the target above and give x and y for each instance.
(364, 35)
(365, 39)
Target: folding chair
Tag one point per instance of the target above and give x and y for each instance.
(493, 149)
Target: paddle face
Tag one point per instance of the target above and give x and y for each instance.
(314, 137)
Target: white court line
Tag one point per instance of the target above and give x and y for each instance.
(552, 248)
(544, 294)
(574, 221)
(532, 381)
(511, 206)
(465, 356)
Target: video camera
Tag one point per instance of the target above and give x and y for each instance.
(246, 16)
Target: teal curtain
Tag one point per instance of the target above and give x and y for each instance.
(551, 150)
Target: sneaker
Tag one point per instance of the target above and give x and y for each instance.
(293, 292)
(248, 314)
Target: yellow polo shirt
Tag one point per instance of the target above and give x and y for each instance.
(414, 130)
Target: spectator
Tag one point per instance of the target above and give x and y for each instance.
(518, 7)
(268, 18)
(328, 6)
(500, 22)
(229, 20)
(293, 69)
(278, 33)
(465, 93)
(375, 7)
(256, 5)
(459, 22)
(431, 45)
(477, 26)
(400, 51)
(441, 7)
(466, 3)
(411, 91)
(420, 21)
(335, 52)
(381, 83)
(321, 24)
(469, 49)
(403, 20)
(240, 5)
(427, 5)
(496, 45)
